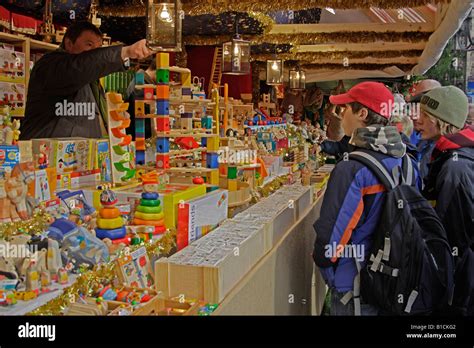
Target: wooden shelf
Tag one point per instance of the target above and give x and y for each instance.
(40, 45)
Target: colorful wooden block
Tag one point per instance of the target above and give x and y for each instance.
(139, 78)
(162, 60)
(204, 142)
(197, 124)
(140, 144)
(214, 177)
(162, 145)
(148, 93)
(232, 173)
(163, 76)
(139, 108)
(213, 144)
(186, 91)
(186, 79)
(212, 160)
(186, 123)
(232, 185)
(162, 107)
(162, 92)
(162, 124)
(140, 125)
(207, 122)
(187, 115)
(140, 157)
(162, 161)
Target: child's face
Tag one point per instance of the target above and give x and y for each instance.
(428, 129)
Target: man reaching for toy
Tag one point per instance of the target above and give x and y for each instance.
(65, 98)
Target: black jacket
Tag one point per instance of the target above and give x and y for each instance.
(450, 183)
(60, 76)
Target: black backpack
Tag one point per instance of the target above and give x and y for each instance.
(410, 265)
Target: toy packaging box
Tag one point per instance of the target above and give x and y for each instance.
(44, 185)
(103, 161)
(135, 269)
(13, 94)
(12, 66)
(66, 154)
(199, 216)
(9, 157)
(78, 179)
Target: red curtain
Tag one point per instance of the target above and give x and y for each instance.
(200, 62)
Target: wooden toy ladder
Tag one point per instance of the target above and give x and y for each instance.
(216, 74)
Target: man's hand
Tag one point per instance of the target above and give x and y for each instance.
(138, 50)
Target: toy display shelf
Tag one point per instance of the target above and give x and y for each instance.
(266, 126)
(24, 307)
(182, 133)
(178, 101)
(27, 45)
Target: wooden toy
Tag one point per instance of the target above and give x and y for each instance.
(135, 270)
(109, 223)
(123, 168)
(13, 194)
(149, 211)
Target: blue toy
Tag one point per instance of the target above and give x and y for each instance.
(117, 233)
(150, 195)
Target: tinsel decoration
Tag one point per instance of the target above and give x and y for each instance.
(265, 21)
(193, 7)
(37, 224)
(404, 67)
(88, 282)
(338, 56)
(314, 38)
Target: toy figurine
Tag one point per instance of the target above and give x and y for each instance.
(43, 156)
(63, 276)
(13, 201)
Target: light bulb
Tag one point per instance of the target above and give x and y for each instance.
(165, 14)
(297, 74)
(275, 65)
(236, 50)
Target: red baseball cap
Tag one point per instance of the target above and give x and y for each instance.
(373, 95)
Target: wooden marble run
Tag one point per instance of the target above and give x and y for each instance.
(123, 166)
(185, 134)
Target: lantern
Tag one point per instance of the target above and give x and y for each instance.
(274, 72)
(236, 56)
(164, 21)
(297, 79)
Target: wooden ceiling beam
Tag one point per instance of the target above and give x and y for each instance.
(376, 46)
(351, 27)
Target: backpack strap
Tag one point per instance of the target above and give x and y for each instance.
(376, 167)
(408, 171)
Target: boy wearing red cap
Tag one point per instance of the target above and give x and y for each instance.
(354, 197)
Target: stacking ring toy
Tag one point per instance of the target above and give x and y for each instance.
(111, 234)
(109, 213)
(138, 221)
(148, 217)
(149, 210)
(110, 224)
(150, 203)
(150, 195)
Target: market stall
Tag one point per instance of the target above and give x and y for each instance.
(212, 214)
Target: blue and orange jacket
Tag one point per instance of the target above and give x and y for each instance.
(350, 212)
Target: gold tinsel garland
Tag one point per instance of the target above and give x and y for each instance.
(193, 7)
(265, 21)
(37, 224)
(403, 67)
(313, 38)
(88, 282)
(337, 56)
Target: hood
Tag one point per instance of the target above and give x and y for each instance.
(383, 139)
(462, 139)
